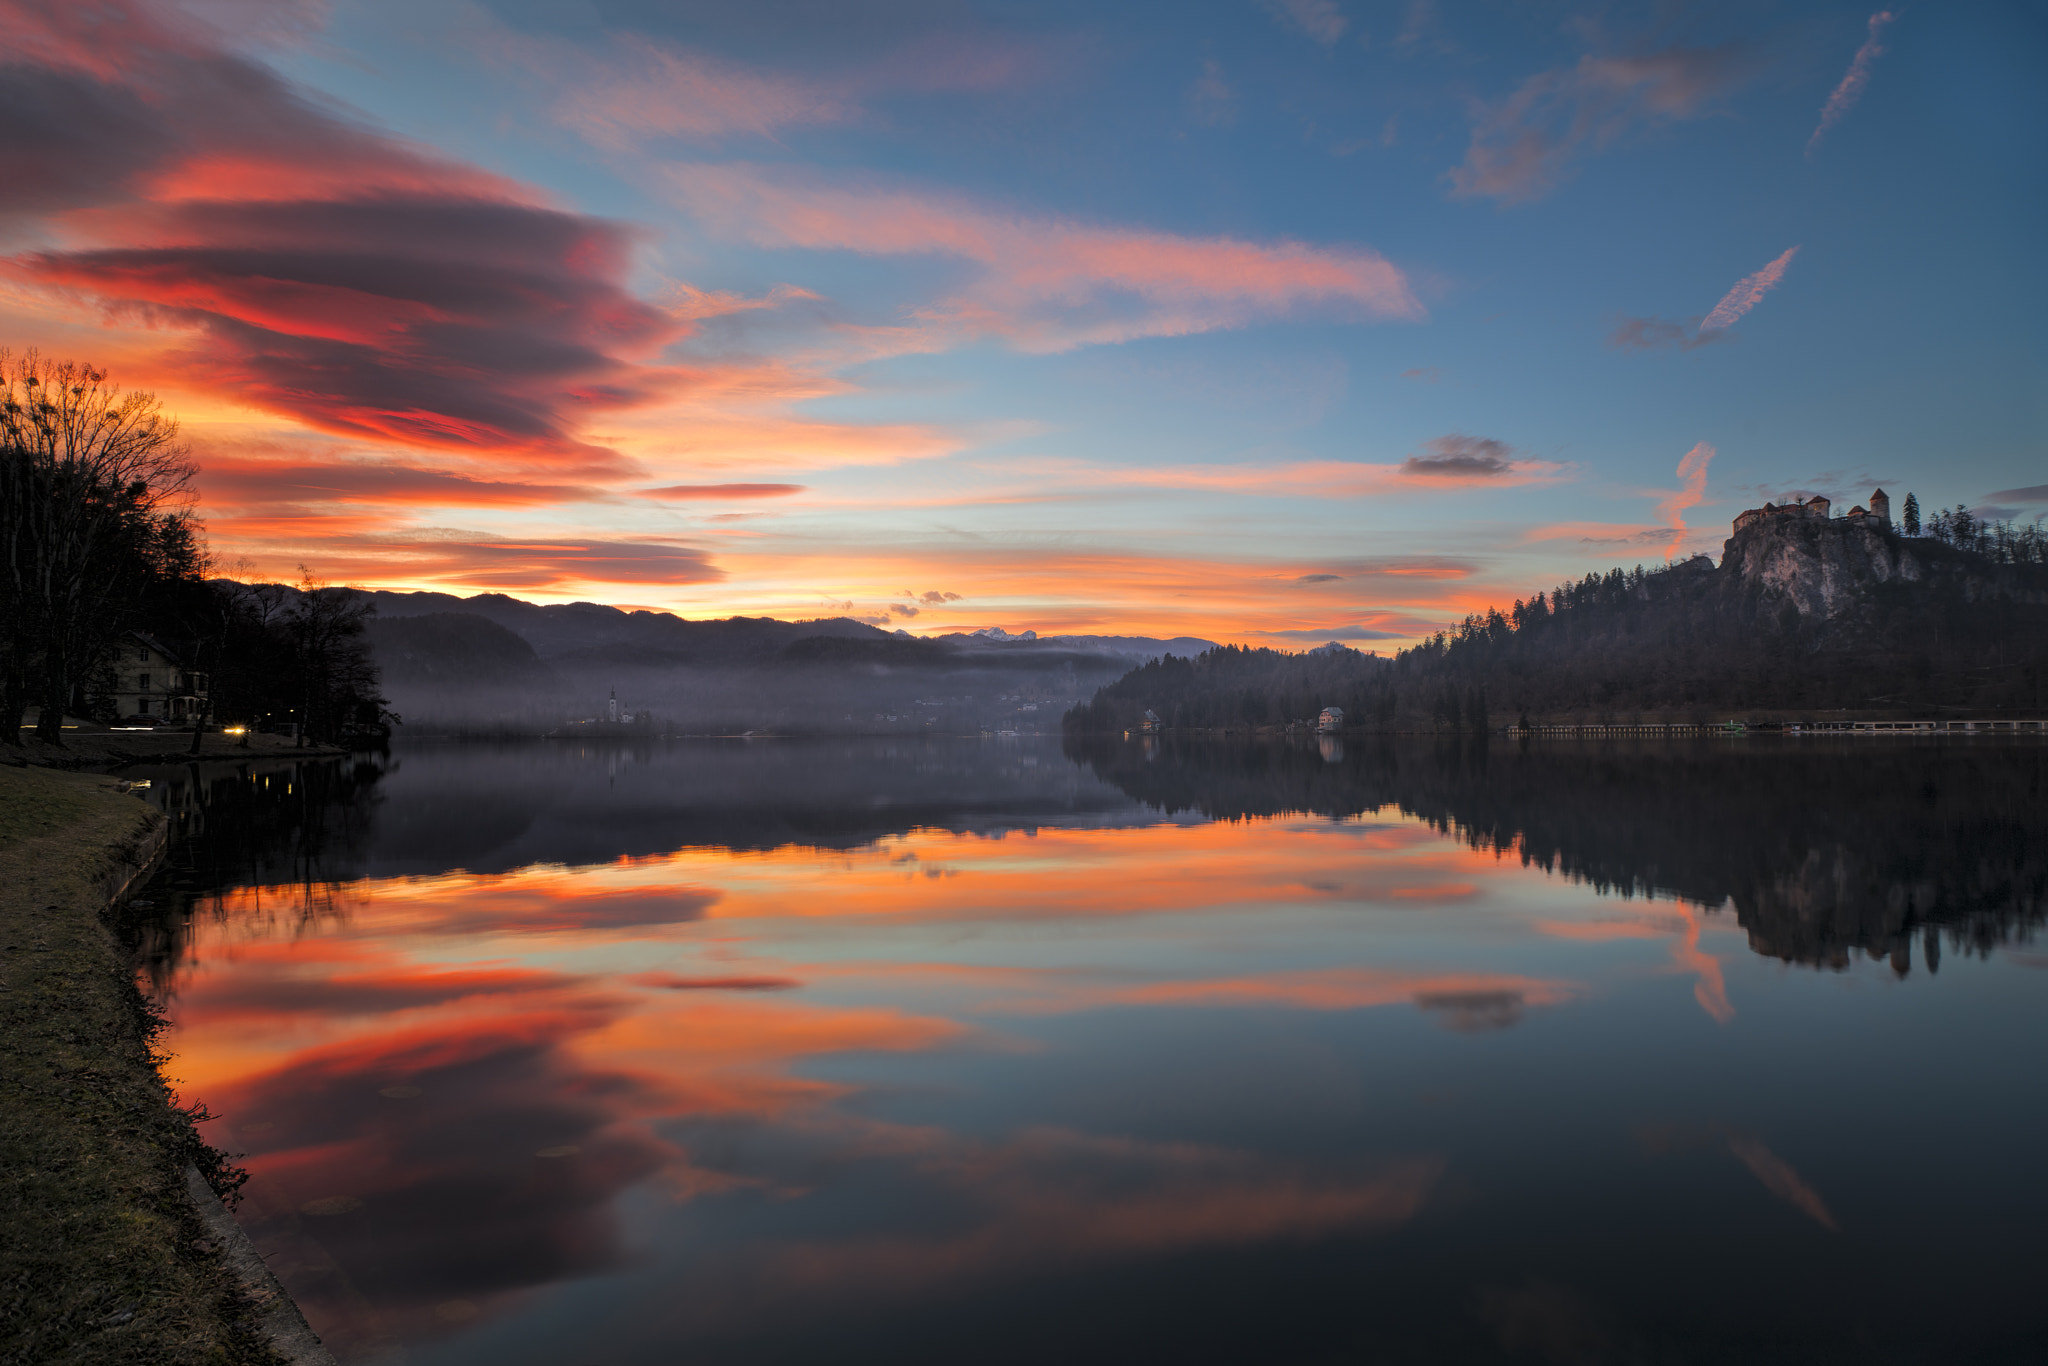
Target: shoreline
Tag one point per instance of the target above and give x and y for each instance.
(109, 1255)
(104, 751)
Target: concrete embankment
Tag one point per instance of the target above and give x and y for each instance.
(107, 1256)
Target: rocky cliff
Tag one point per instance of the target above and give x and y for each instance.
(1827, 568)
(1821, 567)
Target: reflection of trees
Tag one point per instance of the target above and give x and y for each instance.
(285, 831)
(493, 807)
(1824, 847)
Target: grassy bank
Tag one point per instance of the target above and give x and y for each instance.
(104, 1256)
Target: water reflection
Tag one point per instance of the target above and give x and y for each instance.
(1823, 848)
(921, 1051)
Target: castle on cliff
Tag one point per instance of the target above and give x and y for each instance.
(1878, 514)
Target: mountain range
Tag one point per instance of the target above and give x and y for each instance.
(497, 663)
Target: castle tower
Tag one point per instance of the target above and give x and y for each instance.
(1881, 507)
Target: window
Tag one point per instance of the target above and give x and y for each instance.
(143, 654)
(142, 707)
(142, 682)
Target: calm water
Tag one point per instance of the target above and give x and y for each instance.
(984, 1051)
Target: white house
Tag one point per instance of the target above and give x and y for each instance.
(152, 683)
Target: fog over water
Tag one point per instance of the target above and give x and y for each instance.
(907, 1050)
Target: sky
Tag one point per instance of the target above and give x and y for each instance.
(1268, 321)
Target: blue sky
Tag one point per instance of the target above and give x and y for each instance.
(1243, 320)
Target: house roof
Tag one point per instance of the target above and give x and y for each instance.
(172, 656)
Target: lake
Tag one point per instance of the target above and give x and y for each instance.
(998, 1051)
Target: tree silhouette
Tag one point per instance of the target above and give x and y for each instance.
(94, 505)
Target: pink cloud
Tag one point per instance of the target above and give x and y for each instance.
(1047, 284)
(1853, 80)
(1692, 475)
(1746, 294)
(683, 493)
(692, 304)
(295, 260)
(1522, 148)
(1318, 19)
(643, 89)
(1653, 333)
(638, 89)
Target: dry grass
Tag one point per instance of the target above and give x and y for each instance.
(103, 1258)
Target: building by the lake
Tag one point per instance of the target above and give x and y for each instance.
(151, 682)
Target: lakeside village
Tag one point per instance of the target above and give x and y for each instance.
(1031, 712)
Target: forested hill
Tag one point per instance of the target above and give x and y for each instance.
(1802, 617)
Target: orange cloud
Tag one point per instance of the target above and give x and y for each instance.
(227, 482)
(1081, 589)
(352, 550)
(1602, 931)
(683, 493)
(1692, 474)
(1782, 1181)
(1711, 990)
(1055, 1198)
(1681, 925)
(1046, 284)
(1776, 1174)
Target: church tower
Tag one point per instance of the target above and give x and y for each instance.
(611, 708)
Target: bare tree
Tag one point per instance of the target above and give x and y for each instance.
(338, 676)
(93, 481)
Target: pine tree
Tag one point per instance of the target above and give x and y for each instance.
(1911, 517)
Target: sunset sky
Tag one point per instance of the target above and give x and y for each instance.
(1269, 322)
